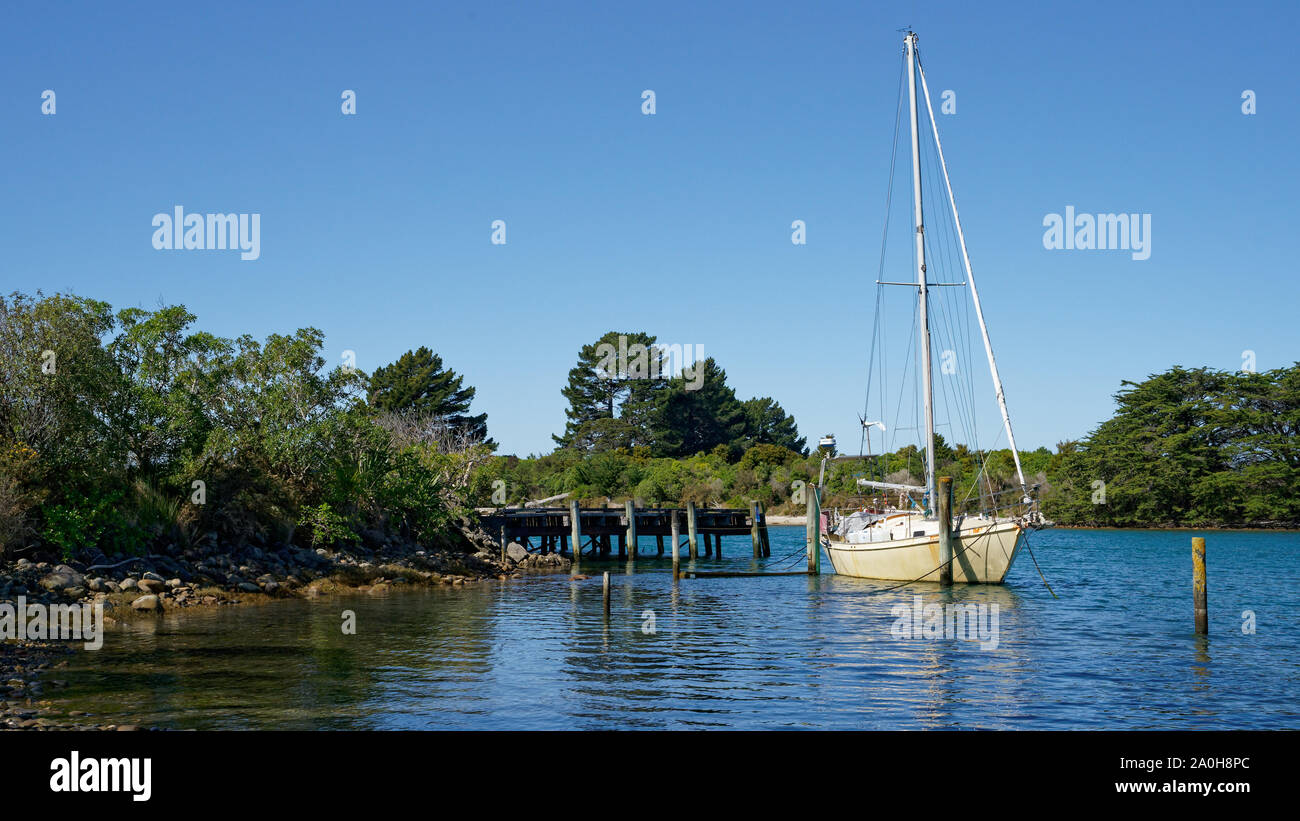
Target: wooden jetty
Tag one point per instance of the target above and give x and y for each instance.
(599, 532)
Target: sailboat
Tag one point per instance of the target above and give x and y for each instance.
(902, 542)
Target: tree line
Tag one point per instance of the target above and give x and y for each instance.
(1185, 448)
(124, 431)
(622, 397)
(129, 431)
(1188, 447)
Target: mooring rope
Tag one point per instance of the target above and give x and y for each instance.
(795, 556)
(1036, 567)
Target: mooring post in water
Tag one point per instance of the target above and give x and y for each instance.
(943, 508)
(676, 537)
(814, 532)
(762, 530)
(631, 528)
(692, 549)
(503, 543)
(1198, 586)
(575, 533)
(817, 554)
(606, 594)
(753, 531)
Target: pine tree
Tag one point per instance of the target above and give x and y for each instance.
(418, 382)
(767, 423)
(687, 421)
(616, 377)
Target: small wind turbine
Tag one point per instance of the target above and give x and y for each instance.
(867, 426)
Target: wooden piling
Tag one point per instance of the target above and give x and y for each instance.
(575, 533)
(810, 534)
(943, 509)
(814, 532)
(630, 507)
(659, 545)
(676, 541)
(606, 594)
(503, 543)
(753, 531)
(762, 530)
(622, 545)
(693, 550)
(1198, 586)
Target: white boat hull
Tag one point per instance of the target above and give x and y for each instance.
(981, 555)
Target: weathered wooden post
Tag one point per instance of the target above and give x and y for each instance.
(631, 528)
(503, 543)
(814, 532)
(575, 533)
(692, 550)
(811, 528)
(1198, 586)
(817, 555)
(762, 530)
(943, 508)
(676, 538)
(659, 544)
(753, 531)
(606, 594)
(717, 545)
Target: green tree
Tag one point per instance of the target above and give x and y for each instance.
(690, 419)
(767, 423)
(1188, 447)
(57, 384)
(166, 386)
(418, 382)
(605, 434)
(619, 376)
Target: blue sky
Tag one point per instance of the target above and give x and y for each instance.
(376, 227)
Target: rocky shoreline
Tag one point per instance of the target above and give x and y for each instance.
(210, 575)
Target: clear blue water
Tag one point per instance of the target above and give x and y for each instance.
(1117, 650)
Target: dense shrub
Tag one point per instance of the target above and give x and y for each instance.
(129, 431)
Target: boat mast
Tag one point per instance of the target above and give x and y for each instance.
(927, 390)
(970, 277)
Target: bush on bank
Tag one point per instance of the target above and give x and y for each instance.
(125, 432)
